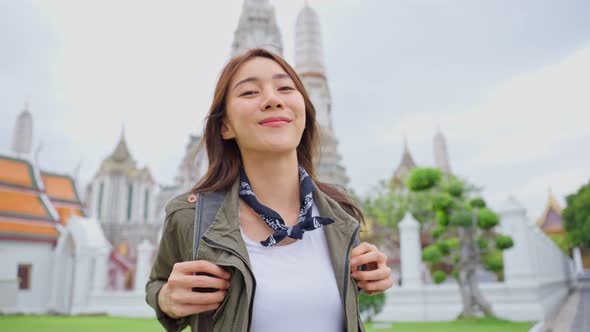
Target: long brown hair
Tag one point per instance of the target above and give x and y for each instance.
(224, 155)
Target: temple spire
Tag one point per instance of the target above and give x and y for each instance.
(22, 138)
(121, 152)
(257, 28)
(309, 55)
(441, 154)
(405, 166)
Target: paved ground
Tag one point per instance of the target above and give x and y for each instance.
(582, 320)
(574, 315)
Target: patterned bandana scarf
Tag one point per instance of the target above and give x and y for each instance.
(275, 221)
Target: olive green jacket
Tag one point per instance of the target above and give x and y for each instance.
(222, 244)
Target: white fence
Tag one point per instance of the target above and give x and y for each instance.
(537, 277)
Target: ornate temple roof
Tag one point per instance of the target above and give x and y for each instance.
(61, 190)
(120, 161)
(551, 221)
(257, 28)
(26, 213)
(18, 172)
(405, 166)
(60, 187)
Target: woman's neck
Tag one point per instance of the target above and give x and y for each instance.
(274, 179)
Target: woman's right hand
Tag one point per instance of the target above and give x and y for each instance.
(177, 299)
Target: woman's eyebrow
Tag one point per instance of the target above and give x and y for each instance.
(254, 78)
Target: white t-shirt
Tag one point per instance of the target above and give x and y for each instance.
(296, 288)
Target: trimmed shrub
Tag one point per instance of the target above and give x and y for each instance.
(452, 242)
(442, 201)
(437, 232)
(504, 242)
(477, 202)
(494, 262)
(443, 248)
(423, 179)
(439, 277)
(431, 254)
(455, 188)
(487, 219)
(442, 218)
(462, 218)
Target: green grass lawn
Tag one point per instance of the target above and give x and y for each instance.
(479, 325)
(113, 324)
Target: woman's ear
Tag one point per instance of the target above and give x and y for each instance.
(226, 131)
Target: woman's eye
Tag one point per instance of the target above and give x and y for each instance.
(247, 93)
(286, 88)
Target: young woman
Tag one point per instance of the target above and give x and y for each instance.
(280, 253)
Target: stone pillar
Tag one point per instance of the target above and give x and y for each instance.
(411, 251)
(81, 282)
(142, 269)
(101, 261)
(578, 265)
(518, 261)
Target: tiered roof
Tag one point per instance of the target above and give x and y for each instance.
(551, 221)
(26, 212)
(61, 190)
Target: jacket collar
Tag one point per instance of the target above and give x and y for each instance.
(225, 228)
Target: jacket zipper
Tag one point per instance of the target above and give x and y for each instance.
(221, 246)
(346, 273)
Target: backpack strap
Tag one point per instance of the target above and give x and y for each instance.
(207, 205)
(206, 208)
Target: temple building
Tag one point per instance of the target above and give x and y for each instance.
(191, 168)
(122, 197)
(550, 221)
(35, 209)
(257, 27)
(402, 171)
(407, 163)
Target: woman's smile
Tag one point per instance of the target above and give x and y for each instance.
(275, 121)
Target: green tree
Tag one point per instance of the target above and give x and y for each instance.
(576, 216)
(386, 206)
(371, 305)
(464, 235)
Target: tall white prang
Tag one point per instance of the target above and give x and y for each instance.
(309, 64)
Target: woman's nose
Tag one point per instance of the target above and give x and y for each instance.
(272, 101)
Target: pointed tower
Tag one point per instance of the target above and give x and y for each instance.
(551, 221)
(441, 154)
(22, 138)
(309, 64)
(257, 28)
(403, 169)
(122, 197)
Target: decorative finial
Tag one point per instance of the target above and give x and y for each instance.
(405, 142)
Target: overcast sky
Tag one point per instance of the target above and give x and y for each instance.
(507, 81)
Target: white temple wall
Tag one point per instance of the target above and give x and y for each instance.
(538, 276)
(39, 255)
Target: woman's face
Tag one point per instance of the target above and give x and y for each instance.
(265, 111)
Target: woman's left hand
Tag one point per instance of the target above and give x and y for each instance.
(376, 277)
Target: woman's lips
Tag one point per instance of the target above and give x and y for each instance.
(274, 122)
